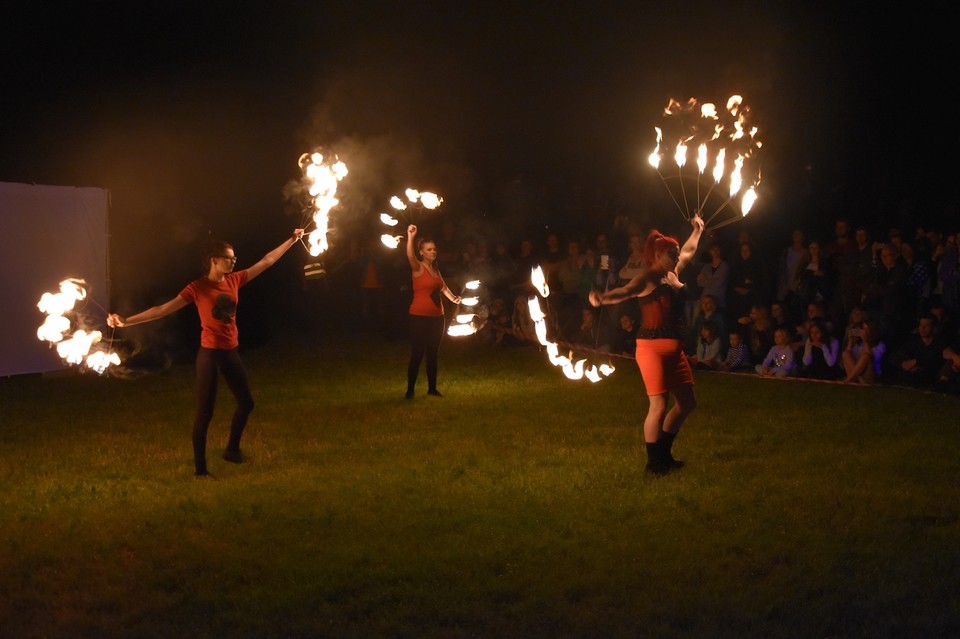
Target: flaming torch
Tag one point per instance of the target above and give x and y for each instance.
(322, 180)
(73, 346)
(727, 138)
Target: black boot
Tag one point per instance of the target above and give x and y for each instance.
(656, 464)
(666, 445)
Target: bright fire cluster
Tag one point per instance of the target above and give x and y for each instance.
(73, 346)
(471, 322)
(572, 369)
(724, 141)
(322, 180)
(422, 199)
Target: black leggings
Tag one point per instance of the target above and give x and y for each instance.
(209, 362)
(425, 336)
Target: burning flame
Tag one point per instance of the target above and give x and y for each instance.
(72, 347)
(572, 370)
(715, 133)
(322, 180)
(419, 199)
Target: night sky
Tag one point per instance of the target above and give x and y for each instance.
(193, 115)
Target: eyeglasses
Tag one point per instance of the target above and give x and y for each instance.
(232, 258)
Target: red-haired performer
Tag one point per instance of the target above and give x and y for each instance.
(426, 310)
(216, 295)
(660, 355)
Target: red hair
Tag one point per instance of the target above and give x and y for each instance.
(657, 241)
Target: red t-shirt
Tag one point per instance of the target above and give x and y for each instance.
(217, 306)
(426, 295)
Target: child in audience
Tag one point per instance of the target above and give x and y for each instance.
(779, 361)
(821, 353)
(738, 354)
(708, 355)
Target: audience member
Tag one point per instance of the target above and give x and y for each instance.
(863, 355)
(758, 332)
(779, 360)
(708, 312)
(709, 352)
(821, 353)
(919, 360)
(746, 281)
(714, 276)
(738, 354)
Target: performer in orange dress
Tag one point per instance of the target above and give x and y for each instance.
(659, 353)
(426, 310)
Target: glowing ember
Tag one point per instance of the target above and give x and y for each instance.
(73, 346)
(388, 220)
(322, 180)
(715, 133)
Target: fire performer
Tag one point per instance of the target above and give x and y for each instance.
(426, 310)
(216, 296)
(659, 352)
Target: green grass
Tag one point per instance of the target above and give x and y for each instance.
(515, 506)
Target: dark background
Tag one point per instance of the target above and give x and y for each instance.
(524, 116)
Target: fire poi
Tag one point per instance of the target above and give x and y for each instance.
(415, 200)
(573, 368)
(74, 345)
(321, 184)
(728, 140)
(468, 323)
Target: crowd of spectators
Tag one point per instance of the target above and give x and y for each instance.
(846, 308)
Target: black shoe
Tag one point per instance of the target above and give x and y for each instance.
(235, 456)
(659, 469)
(675, 463)
(434, 392)
(204, 475)
(409, 394)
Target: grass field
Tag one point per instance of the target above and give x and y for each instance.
(515, 506)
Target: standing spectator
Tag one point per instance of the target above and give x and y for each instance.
(821, 353)
(568, 275)
(842, 257)
(779, 360)
(746, 281)
(551, 260)
(886, 298)
(791, 257)
(814, 281)
(632, 263)
(919, 360)
(713, 278)
(526, 260)
(919, 277)
(947, 259)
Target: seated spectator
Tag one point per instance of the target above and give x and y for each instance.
(758, 331)
(738, 354)
(708, 311)
(779, 360)
(863, 355)
(588, 332)
(948, 380)
(625, 341)
(821, 352)
(709, 353)
(919, 360)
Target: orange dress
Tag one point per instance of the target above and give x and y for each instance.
(663, 364)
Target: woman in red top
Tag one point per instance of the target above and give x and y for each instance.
(426, 311)
(216, 296)
(659, 353)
